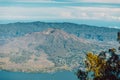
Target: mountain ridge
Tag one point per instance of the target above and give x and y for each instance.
(80, 30)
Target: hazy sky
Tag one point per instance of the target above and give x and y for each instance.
(84, 11)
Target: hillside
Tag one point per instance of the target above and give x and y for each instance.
(50, 48)
(82, 30)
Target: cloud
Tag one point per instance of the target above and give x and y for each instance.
(32, 1)
(97, 13)
(25, 0)
(101, 1)
(66, 15)
(117, 27)
(38, 13)
(91, 1)
(33, 13)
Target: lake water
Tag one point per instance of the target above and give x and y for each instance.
(61, 75)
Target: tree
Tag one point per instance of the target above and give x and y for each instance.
(103, 69)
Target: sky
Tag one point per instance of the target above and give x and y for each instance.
(93, 12)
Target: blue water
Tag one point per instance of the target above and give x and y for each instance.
(63, 75)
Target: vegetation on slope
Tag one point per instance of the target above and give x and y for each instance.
(104, 66)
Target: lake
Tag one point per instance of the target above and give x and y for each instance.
(60, 75)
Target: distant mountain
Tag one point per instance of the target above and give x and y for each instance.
(83, 31)
(49, 50)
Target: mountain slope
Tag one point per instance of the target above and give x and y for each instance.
(49, 50)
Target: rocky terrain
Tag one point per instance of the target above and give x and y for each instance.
(46, 47)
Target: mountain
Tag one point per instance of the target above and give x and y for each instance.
(30, 48)
(80, 30)
(52, 49)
